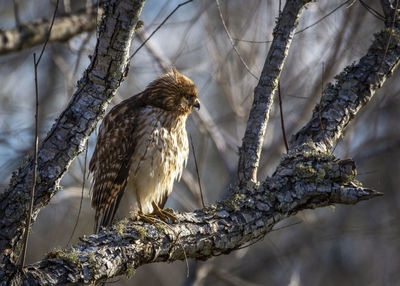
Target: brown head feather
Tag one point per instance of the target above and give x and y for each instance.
(173, 92)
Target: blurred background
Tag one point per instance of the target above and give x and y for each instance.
(341, 245)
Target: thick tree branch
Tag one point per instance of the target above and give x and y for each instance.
(304, 179)
(66, 139)
(264, 92)
(35, 33)
(353, 89)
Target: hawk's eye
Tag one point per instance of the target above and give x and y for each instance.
(187, 96)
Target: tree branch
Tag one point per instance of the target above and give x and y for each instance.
(353, 89)
(264, 92)
(66, 138)
(35, 33)
(305, 179)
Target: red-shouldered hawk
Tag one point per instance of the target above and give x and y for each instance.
(142, 146)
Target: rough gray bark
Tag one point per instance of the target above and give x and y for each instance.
(264, 92)
(66, 139)
(307, 177)
(35, 33)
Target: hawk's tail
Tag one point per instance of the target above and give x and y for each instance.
(104, 216)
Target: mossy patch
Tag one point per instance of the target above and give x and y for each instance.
(119, 227)
(305, 171)
(141, 231)
(130, 271)
(70, 255)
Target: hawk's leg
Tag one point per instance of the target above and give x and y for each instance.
(146, 217)
(157, 214)
(163, 214)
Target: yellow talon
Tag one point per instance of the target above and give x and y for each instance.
(163, 214)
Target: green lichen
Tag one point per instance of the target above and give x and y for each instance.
(119, 227)
(160, 227)
(386, 34)
(70, 255)
(210, 209)
(92, 265)
(141, 231)
(321, 174)
(347, 178)
(84, 239)
(305, 171)
(234, 203)
(130, 271)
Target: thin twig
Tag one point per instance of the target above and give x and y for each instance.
(32, 193)
(300, 31)
(324, 17)
(158, 27)
(48, 34)
(372, 11)
(323, 78)
(82, 191)
(197, 171)
(251, 242)
(35, 163)
(282, 120)
(232, 42)
(252, 41)
(319, 108)
(287, 226)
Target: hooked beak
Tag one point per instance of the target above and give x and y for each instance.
(197, 104)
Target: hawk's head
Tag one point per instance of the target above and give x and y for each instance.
(173, 92)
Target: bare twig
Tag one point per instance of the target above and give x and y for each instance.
(232, 42)
(372, 11)
(326, 16)
(251, 41)
(163, 62)
(48, 34)
(319, 107)
(158, 27)
(197, 171)
(304, 29)
(281, 116)
(82, 191)
(35, 150)
(35, 160)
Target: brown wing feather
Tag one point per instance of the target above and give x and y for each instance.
(111, 160)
